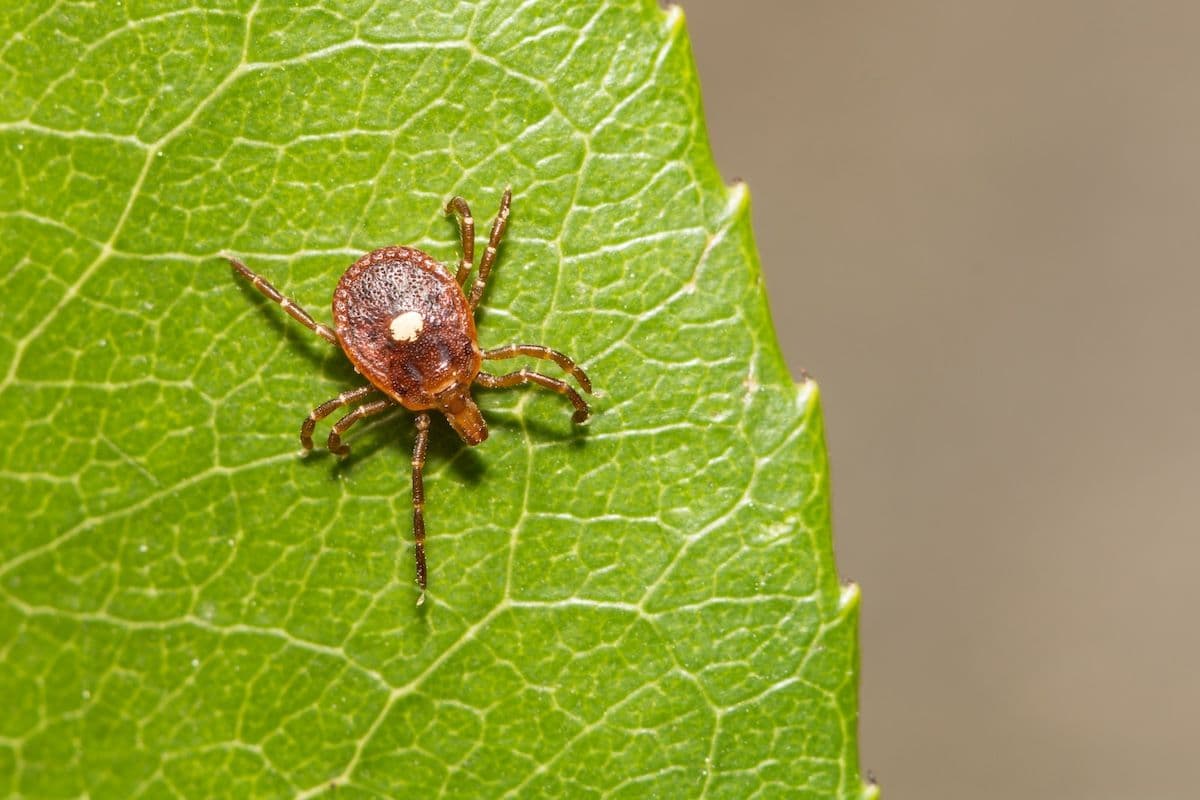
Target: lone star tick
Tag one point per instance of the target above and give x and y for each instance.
(408, 327)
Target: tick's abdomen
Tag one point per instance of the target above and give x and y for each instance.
(406, 326)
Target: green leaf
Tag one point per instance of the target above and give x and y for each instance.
(646, 606)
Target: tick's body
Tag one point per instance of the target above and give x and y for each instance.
(408, 327)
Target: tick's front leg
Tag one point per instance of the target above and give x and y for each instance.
(418, 499)
(325, 409)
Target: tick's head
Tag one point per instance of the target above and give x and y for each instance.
(462, 414)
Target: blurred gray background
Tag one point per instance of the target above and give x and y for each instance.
(980, 226)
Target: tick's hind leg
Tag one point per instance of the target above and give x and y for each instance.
(466, 230)
(524, 376)
(340, 427)
(545, 353)
(489, 255)
(325, 409)
(296, 312)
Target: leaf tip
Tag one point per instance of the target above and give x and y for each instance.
(808, 393)
(673, 16)
(849, 596)
(738, 198)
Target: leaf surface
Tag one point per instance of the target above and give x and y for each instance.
(646, 606)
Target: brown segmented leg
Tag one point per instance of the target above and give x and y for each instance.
(523, 376)
(418, 499)
(538, 351)
(325, 409)
(466, 230)
(489, 255)
(296, 312)
(335, 436)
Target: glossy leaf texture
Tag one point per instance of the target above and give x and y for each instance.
(646, 606)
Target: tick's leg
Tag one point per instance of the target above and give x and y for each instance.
(489, 255)
(325, 409)
(466, 230)
(523, 376)
(339, 427)
(538, 351)
(418, 499)
(297, 313)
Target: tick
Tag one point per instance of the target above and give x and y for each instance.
(408, 326)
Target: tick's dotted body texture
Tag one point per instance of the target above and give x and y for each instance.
(408, 327)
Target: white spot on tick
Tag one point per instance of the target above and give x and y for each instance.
(407, 327)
